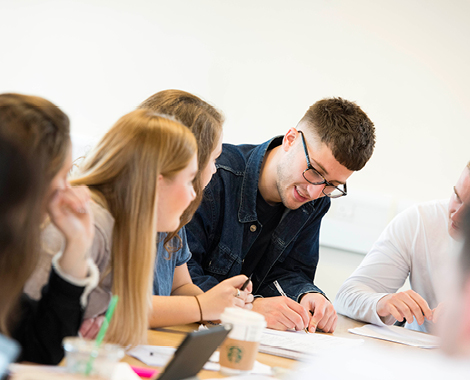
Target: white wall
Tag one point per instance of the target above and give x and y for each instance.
(263, 63)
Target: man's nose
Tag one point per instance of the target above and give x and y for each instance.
(315, 191)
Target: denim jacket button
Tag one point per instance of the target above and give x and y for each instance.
(253, 228)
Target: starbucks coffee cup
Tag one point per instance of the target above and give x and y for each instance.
(238, 351)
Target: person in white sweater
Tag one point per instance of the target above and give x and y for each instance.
(418, 243)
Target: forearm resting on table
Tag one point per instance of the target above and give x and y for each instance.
(359, 301)
(173, 310)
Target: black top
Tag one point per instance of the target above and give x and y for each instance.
(41, 325)
(269, 216)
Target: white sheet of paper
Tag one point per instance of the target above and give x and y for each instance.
(301, 344)
(155, 356)
(398, 334)
(123, 371)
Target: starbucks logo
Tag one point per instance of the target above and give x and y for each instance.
(235, 354)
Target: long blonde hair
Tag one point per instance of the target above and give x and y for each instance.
(122, 172)
(205, 121)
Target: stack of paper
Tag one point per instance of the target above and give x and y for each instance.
(300, 345)
(398, 334)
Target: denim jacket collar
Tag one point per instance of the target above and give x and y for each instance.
(247, 209)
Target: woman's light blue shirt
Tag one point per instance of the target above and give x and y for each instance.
(165, 264)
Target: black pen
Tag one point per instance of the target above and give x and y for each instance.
(245, 284)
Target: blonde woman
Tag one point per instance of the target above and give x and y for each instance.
(141, 178)
(171, 271)
(35, 158)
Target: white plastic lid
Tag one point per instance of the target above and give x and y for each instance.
(236, 315)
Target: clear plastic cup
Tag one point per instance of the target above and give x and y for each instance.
(78, 352)
(238, 351)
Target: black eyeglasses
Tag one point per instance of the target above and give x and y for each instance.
(315, 178)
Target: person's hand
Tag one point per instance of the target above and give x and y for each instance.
(226, 294)
(324, 316)
(91, 326)
(406, 305)
(248, 297)
(437, 312)
(70, 211)
(282, 313)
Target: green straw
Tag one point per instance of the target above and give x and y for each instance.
(101, 334)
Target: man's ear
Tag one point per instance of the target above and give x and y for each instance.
(289, 139)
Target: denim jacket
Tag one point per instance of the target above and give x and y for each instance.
(226, 225)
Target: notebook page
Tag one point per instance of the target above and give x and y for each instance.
(398, 334)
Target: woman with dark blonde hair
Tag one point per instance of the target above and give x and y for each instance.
(141, 177)
(141, 156)
(35, 157)
(171, 271)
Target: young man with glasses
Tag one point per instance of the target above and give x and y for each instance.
(419, 243)
(262, 210)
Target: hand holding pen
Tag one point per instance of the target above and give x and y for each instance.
(282, 313)
(282, 293)
(249, 298)
(227, 293)
(245, 284)
(323, 314)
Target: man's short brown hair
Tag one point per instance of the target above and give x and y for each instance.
(345, 128)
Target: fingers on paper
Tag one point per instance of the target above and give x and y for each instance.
(324, 317)
(327, 323)
(409, 305)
